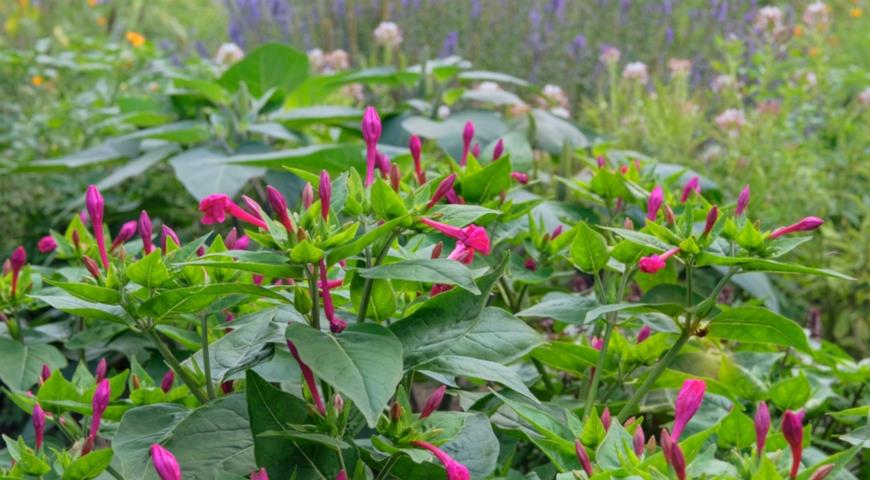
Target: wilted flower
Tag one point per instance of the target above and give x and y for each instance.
(817, 14)
(454, 469)
(228, 54)
(609, 55)
(805, 225)
(388, 34)
(688, 401)
(731, 120)
(680, 67)
(46, 244)
(165, 463)
(636, 72)
(793, 431)
(433, 402)
(308, 376)
(762, 426)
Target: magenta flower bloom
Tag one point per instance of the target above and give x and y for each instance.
(601, 160)
(371, 131)
(688, 401)
(261, 475)
(342, 475)
(17, 261)
(654, 263)
(38, 425)
(742, 201)
(433, 402)
(596, 342)
(762, 426)
(308, 376)
(216, 206)
(168, 233)
(643, 333)
(125, 234)
(462, 254)
(692, 186)
(583, 457)
(167, 381)
(101, 370)
(498, 150)
(445, 186)
(712, 216)
(793, 431)
(336, 325)
(472, 236)
(467, 136)
(638, 441)
(325, 192)
(46, 244)
(656, 198)
(100, 403)
(416, 147)
(307, 196)
(521, 177)
(165, 463)
(454, 469)
(146, 232)
(805, 225)
(279, 205)
(94, 204)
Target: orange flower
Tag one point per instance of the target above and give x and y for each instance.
(798, 31)
(813, 51)
(855, 13)
(92, 3)
(135, 39)
(37, 80)
(101, 21)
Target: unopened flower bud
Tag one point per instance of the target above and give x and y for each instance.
(606, 418)
(742, 201)
(146, 232)
(692, 186)
(498, 150)
(338, 403)
(125, 234)
(46, 244)
(325, 192)
(396, 412)
(307, 196)
(433, 402)
(822, 472)
(279, 205)
(99, 404)
(38, 419)
(475, 150)
(762, 426)
(656, 198)
(165, 463)
(444, 187)
(467, 136)
(638, 441)
(92, 267)
(101, 370)
(167, 381)
(436, 250)
(712, 216)
(168, 233)
(583, 457)
(395, 177)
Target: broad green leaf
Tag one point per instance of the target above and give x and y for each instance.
(308, 438)
(569, 357)
(83, 308)
(589, 249)
(89, 466)
(330, 114)
(616, 446)
(194, 299)
(356, 246)
(269, 66)
(487, 182)
(306, 252)
(21, 364)
(670, 309)
(184, 131)
(149, 271)
(737, 430)
(87, 291)
(758, 325)
(437, 270)
(552, 133)
(640, 238)
(334, 158)
(137, 166)
(57, 389)
(364, 362)
(111, 149)
(206, 170)
(568, 308)
(460, 215)
(791, 392)
(764, 265)
(497, 336)
(386, 202)
(474, 368)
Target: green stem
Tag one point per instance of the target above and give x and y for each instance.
(206, 358)
(653, 375)
(519, 300)
(544, 375)
(369, 283)
(387, 467)
(312, 289)
(114, 472)
(599, 366)
(173, 362)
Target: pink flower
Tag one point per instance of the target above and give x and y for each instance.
(167, 381)
(167, 234)
(99, 404)
(712, 216)
(605, 418)
(307, 196)
(583, 457)
(643, 334)
(596, 342)
(94, 204)
(556, 232)
(472, 236)
(467, 136)
(308, 375)
(416, 148)
(823, 472)
(125, 234)
(530, 264)
(454, 469)
(261, 475)
(462, 254)
(742, 201)
(336, 325)
(16, 262)
(678, 460)
(654, 263)
(522, 178)
(279, 205)
(638, 441)
(445, 186)
(342, 475)
(325, 192)
(805, 225)
(146, 232)
(762, 426)
(101, 370)
(38, 425)
(46, 244)
(45, 373)
(498, 150)
(656, 198)
(384, 165)
(793, 431)
(693, 185)
(475, 150)
(433, 402)
(371, 131)
(688, 401)
(601, 160)
(216, 206)
(165, 463)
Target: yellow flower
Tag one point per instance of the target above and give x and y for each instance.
(798, 31)
(855, 13)
(135, 39)
(101, 21)
(37, 80)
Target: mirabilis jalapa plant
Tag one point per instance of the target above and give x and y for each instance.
(308, 357)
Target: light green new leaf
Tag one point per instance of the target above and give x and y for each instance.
(589, 249)
(150, 272)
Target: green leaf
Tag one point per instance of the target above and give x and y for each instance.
(83, 308)
(460, 215)
(670, 309)
(474, 368)
(185, 131)
(329, 114)
(206, 170)
(764, 265)
(616, 446)
(361, 242)
(308, 437)
(386, 202)
(737, 430)
(57, 389)
(21, 364)
(568, 357)
(564, 307)
(364, 363)
(593, 432)
(268, 66)
(791, 393)
(149, 271)
(589, 249)
(89, 466)
(487, 182)
(758, 325)
(335, 159)
(306, 252)
(552, 133)
(437, 270)
(497, 336)
(194, 299)
(441, 321)
(87, 291)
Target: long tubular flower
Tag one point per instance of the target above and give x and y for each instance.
(38, 425)
(165, 463)
(46, 244)
(167, 381)
(102, 367)
(688, 401)
(99, 404)
(279, 205)
(498, 150)
(16, 262)
(454, 469)
(654, 263)
(433, 402)
(308, 375)
(416, 148)
(216, 206)
(712, 216)
(146, 232)
(583, 457)
(126, 233)
(692, 186)
(467, 136)
(742, 201)
(638, 441)
(793, 431)
(168, 233)
(805, 225)
(445, 186)
(762, 426)
(95, 204)
(371, 131)
(325, 192)
(472, 236)
(656, 198)
(336, 325)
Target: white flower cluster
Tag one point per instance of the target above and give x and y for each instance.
(769, 19)
(817, 14)
(228, 54)
(331, 62)
(388, 34)
(636, 72)
(731, 121)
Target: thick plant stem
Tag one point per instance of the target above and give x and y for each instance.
(369, 283)
(206, 358)
(173, 362)
(653, 375)
(599, 366)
